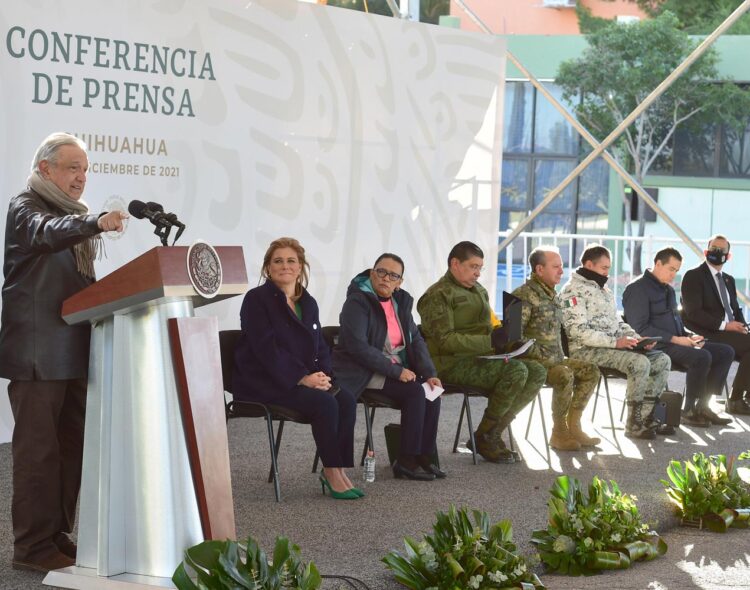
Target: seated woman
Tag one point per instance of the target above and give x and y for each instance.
(380, 347)
(282, 359)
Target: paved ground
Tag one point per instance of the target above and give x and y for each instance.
(351, 537)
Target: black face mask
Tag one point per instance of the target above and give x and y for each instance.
(717, 256)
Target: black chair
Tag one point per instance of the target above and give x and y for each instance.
(244, 409)
(371, 399)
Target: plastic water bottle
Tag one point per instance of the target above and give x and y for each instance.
(369, 470)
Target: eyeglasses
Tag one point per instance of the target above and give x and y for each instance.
(475, 267)
(382, 273)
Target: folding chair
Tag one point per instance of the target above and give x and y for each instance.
(245, 409)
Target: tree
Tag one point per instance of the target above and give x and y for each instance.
(696, 17)
(622, 64)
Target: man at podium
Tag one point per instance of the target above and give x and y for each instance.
(51, 241)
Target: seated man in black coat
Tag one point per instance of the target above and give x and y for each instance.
(651, 309)
(710, 308)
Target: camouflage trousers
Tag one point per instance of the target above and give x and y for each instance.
(647, 373)
(572, 381)
(510, 385)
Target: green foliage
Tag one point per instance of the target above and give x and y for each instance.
(590, 532)
(699, 17)
(462, 555)
(219, 565)
(708, 488)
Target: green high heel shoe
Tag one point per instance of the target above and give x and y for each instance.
(357, 491)
(347, 495)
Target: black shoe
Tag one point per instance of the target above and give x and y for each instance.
(643, 434)
(435, 470)
(738, 406)
(714, 418)
(401, 472)
(665, 430)
(694, 418)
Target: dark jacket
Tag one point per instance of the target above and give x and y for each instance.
(363, 330)
(40, 273)
(276, 349)
(702, 309)
(651, 308)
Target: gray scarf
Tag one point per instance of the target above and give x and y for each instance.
(89, 249)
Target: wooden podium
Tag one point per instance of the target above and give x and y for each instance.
(156, 476)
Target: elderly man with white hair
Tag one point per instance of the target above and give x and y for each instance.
(51, 241)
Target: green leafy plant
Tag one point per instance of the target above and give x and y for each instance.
(709, 490)
(590, 532)
(219, 565)
(463, 555)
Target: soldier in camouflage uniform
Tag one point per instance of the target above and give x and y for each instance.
(597, 334)
(457, 326)
(573, 381)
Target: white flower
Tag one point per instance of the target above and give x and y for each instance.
(564, 544)
(474, 581)
(588, 541)
(497, 577)
(616, 538)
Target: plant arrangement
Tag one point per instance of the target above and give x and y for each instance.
(709, 492)
(220, 565)
(595, 531)
(463, 555)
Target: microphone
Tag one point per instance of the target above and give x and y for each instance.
(154, 212)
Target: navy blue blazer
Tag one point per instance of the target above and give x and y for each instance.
(651, 309)
(276, 349)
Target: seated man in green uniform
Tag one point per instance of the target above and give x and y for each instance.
(573, 381)
(457, 325)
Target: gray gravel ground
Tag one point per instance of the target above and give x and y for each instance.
(351, 537)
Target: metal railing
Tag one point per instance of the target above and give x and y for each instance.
(512, 267)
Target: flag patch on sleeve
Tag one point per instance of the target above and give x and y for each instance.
(572, 302)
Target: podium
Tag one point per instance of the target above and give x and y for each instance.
(156, 476)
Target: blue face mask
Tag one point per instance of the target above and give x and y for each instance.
(717, 256)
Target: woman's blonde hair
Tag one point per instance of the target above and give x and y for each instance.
(304, 276)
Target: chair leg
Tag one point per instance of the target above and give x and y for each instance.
(274, 465)
(460, 424)
(470, 424)
(609, 407)
(544, 427)
(316, 460)
(622, 410)
(531, 415)
(369, 445)
(596, 396)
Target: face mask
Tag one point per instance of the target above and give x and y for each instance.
(717, 257)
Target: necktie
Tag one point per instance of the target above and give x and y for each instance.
(724, 297)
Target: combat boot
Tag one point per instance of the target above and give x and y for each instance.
(634, 426)
(562, 439)
(487, 442)
(647, 413)
(574, 426)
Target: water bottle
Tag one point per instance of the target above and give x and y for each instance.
(369, 470)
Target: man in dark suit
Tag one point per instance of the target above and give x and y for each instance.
(710, 308)
(651, 309)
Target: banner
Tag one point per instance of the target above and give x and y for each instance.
(356, 134)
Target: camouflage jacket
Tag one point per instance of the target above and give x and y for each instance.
(455, 321)
(590, 315)
(541, 319)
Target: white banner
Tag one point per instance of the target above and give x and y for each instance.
(356, 134)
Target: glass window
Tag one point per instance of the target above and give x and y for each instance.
(515, 184)
(552, 133)
(593, 196)
(592, 224)
(547, 175)
(519, 103)
(735, 152)
(694, 151)
(553, 223)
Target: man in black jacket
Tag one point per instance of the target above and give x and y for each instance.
(651, 308)
(51, 242)
(710, 308)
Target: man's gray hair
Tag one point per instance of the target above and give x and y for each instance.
(51, 145)
(539, 256)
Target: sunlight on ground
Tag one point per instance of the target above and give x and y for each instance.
(530, 438)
